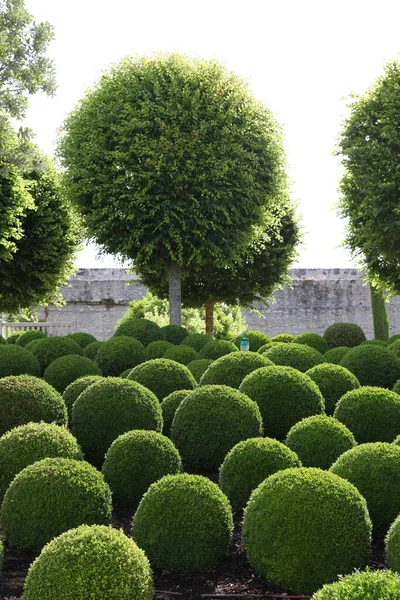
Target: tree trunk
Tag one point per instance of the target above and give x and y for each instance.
(379, 314)
(175, 294)
(210, 318)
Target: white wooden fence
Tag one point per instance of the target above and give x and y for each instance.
(50, 328)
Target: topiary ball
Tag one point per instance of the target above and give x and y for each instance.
(24, 398)
(48, 349)
(157, 349)
(373, 365)
(284, 396)
(335, 355)
(163, 376)
(319, 440)
(182, 354)
(250, 462)
(135, 460)
(169, 407)
(75, 388)
(372, 414)
(210, 421)
(285, 338)
(92, 349)
(27, 336)
(197, 341)
(51, 496)
(232, 368)
(298, 356)
(256, 339)
(28, 443)
(217, 348)
(183, 523)
(174, 333)
(369, 585)
(66, 369)
(333, 381)
(12, 338)
(392, 546)
(344, 334)
(90, 561)
(15, 360)
(118, 354)
(144, 330)
(82, 338)
(266, 347)
(314, 341)
(108, 408)
(303, 527)
(198, 367)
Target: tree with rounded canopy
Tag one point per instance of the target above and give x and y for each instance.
(172, 162)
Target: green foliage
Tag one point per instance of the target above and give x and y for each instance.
(28, 443)
(232, 368)
(48, 349)
(163, 376)
(24, 398)
(303, 527)
(157, 349)
(174, 333)
(298, 356)
(319, 440)
(169, 407)
(395, 348)
(377, 342)
(371, 585)
(314, 341)
(15, 201)
(210, 421)
(135, 460)
(285, 338)
(379, 314)
(184, 523)
(217, 348)
(82, 338)
(92, 349)
(250, 462)
(74, 389)
(3, 340)
(256, 339)
(373, 365)
(392, 546)
(118, 354)
(142, 329)
(51, 496)
(64, 370)
(15, 360)
(335, 355)
(12, 338)
(196, 341)
(27, 336)
(90, 560)
(393, 338)
(265, 347)
(396, 387)
(182, 354)
(375, 471)
(198, 367)
(284, 396)
(344, 334)
(333, 381)
(371, 413)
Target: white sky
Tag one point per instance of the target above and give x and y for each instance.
(301, 57)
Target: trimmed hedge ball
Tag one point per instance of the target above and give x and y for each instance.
(163, 376)
(27, 336)
(198, 367)
(265, 347)
(48, 349)
(284, 396)
(66, 369)
(210, 421)
(303, 527)
(144, 330)
(197, 341)
(232, 368)
(82, 338)
(314, 341)
(256, 339)
(371, 413)
(375, 471)
(250, 462)
(28, 443)
(24, 398)
(118, 354)
(174, 333)
(319, 440)
(373, 365)
(92, 349)
(75, 388)
(344, 334)
(15, 360)
(108, 408)
(169, 407)
(298, 356)
(183, 523)
(182, 354)
(368, 585)
(90, 562)
(12, 338)
(51, 496)
(335, 355)
(285, 338)
(157, 349)
(217, 348)
(392, 546)
(135, 460)
(333, 381)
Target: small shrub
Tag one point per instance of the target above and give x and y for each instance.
(368, 585)
(51, 496)
(144, 330)
(48, 349)
(376, 342)
(82, 338)
(217, 348)
(319, 440)
(66, 369)
(372, 414)
(396, 387)
(284, 396)
(169, 407)
(395, 348)
(174, 333)
(125, 373)
(15, 360)
(157, 349)
(163, 376)
(3, 340)
(298, 356)
(12, 338)
(90, 561)
(197, 341)
(285, 338)
(118, 354)
(75, 388)
(392, 546)
(182, 354)
(335, 355)
(256, 339)
(250, 462)
(135, 460)
(314, 341)
(27, 336)
(198, 367)
(333, 381)
(92, 349)
(210, 421)
(394, 338)
(183, 523)
(265, 347)
(232, 368)
(344, 334)
(373, 365)
(303, 527)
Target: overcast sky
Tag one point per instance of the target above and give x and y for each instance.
(301, 57)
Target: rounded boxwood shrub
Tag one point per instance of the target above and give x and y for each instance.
(319, 440)
(333, 381)
(144, 330)
(82, 338)
(66, 369)
(250, 462)
(15, 360)
(335, 355)
(174, 333)
(256, 339)
(28, 443)
(135, 460)
(395, 348)
(217, 348)
(48, 349)
(75, 388)
(285, 338)
(182, 354)
(197, 341)
(198, 367)
(51, 496)
(183, 523)
(210, 421)
(232, 368)
(298, 356)
(27, 336)
(24, 398)
(163, 376)
(374, 469)
(118, 354)
(392, 546)
(157, 349)
(344, 334)
(92, 349)
(314, 341)
(12, 338)
(394, 338)
(284, 396)
(373, 365)
(368, 585)
(169, 407)
(265, 347)
(303, 527)
(376, 342)
(371, 413)
(90, 562)
(108, 408)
